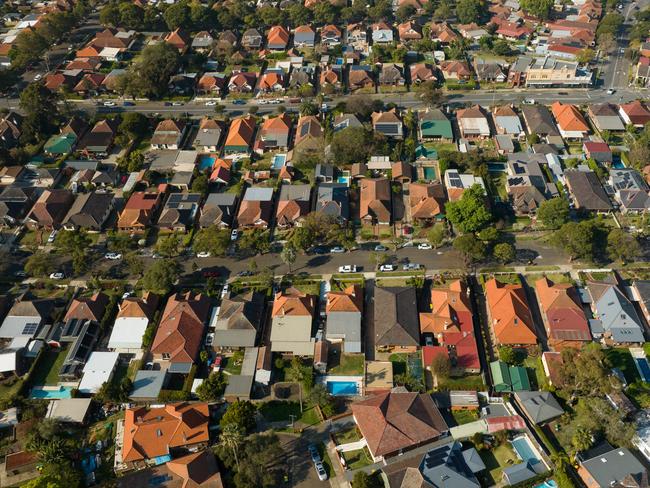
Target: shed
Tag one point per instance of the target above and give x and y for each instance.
(239, 387)
(69, 410)
(147, 385)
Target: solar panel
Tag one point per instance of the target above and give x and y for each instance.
(304, 129)
(29, 329)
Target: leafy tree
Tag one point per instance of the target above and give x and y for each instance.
(110, 15)
(437, 234)
(302, 238)
(168, 246)
(255, 241)
(300, 373)
(69, 242)
(177, 15)
(441, 366)
(27, 48)
(539, 8)
(609, 24)
(405, 12)
(504, 252)
(231, 440)
(443, 11)
(363, 106)
(149, 75)
(469, 11)
(585, 56)
(134, 125)
(430, 93)
(161, 276)
(470, 248)
(321, 397)
(38, 264)
(554, 213)
(308, 108)
(299, 14)
(577, 239)
(469, 214)
(324, 13)
(41, 112)
(622, 246)
(583, 373)
(489, 234)
(212, 387)
(212, 239)
(362, 479)
(512, 356)
(131, 16)
(351, 145)
(241, 414)
(288, 255)
(200, 184)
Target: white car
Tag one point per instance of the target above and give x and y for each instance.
(322, 474)
(224, 290)
(53, 234)
(211, 103)
(203, 254)
(177, 104)
(262, 101)
(57, 276)
(209, 339)
(337, 249)
(38, 77)
(126, 294)
(529, 101)
(380, 248)
(348, 268)
(424, 246)
(611, 91)
(387, 267)
(109, 104)
(234, 235)
(113, 256)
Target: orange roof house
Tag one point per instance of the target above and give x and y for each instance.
(509, 314)
(291, 323)
(180, 331)
(197, 470)
(427, 201)
(375, 200)
(179, 39)
(240, 135)
(564, 318)
(569, 120)
(441, 32)
(139, 211)
(87, 308)
(153, 432)
(348, 300)
(271, 82)
(278, 38)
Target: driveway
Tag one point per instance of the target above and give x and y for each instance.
(302, 471)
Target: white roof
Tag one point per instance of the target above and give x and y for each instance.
(69, 409)
(8, 360)
(185, 161)
(127, 333)
(19, 342)
(110, 52)
(97, 371)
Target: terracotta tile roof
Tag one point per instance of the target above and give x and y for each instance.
(330, 76)
(269, 80)
(375, 199)
(431, 352)
(349, 300)
(393, 421)
(278, 35)
(151, 432)
(442, 32)
(450, 311)
(565, 319)
(138, 307)
(170, 125)
(178, 38)
(569, 118)
(511, 319)
(88, 308)
(51, 207)
(281, 123)
(293, 302)
(427, 200)
(304, 29)
(198, 470)
(459, 68)
(291, 210)
(241, 132)
(251, 212)
(636, 112)
(511, 422)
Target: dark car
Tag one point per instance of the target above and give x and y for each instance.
(239, 102)
(320, 250)
(211, 274)
(128, 104)
(313, 452)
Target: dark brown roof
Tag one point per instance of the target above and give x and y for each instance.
(396, 317)
(587, 190)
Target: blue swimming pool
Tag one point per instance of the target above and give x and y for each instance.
(51, 394)
(525, 450)
(547, 484)
(644, 368)
(206, 161)
(430, 173)
(344, 180)
(278, 161)
(497, 167)
(342, 388)
(618, 164)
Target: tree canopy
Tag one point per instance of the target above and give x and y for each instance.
(149, 75)
(539, 8)
(242, 414)
(470, 213)
(161, 276)
(554, 213)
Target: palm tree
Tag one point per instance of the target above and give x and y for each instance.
(232, 438)
(288, 255)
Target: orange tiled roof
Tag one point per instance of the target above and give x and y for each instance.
(511, 319)
(568, 117)
(278, 35)
(349, 300)
(293, 302)
(241, 132)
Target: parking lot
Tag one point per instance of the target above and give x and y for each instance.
(303, 474)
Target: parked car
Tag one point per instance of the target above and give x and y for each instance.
(348, 268)
(234, 235)
(109, 104)
(412, 267)
(53, 234)
(313, 452)
(611, 91)
(380, 248)
(177, 104)
(113, 256)
(239, 102)
(217, 363)
(128, 104)
(203, 254)
(57, 276)
(320, 250)
(245, 273)
(211, 274)
(424, 246)
(322, 474)
(225, 290)
(210, 103)
(20, 274)
(337, 249)
(387, 267)
(529, 101)
(209, 339)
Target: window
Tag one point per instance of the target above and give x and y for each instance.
(166, 356)
(158, 433)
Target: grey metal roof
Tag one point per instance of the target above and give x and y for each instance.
(539, 405)
(239, 385)
(147, 384)
(333, 199)
(258, 194)
(347, 324)
(448, 463)
(610, 468)
(518, 473)
(300, 193)
(510, 123)
(616, 313)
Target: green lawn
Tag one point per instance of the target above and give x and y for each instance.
(349, 364)
(347, 436)
(467, 382)
(279, 411)
(464, 416)
(48, 372)
(9, 391)
(619, 357)
(535, 364)
(496, 459)
(133, 369)
(357, 459)
(639, 393)
(496, 183)
(234, 363)
(442, 146)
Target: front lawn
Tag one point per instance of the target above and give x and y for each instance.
(620, 357)
(346, 364)
(48, 371)
(347, 436)
(357, 459)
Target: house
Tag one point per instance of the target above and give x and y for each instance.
(564, 319)
(507, 122)
(98, 370)
(634, 113)
(455, 70)
(324, 173)
(209, 135)
(251, 39)
(548, 72)
(168, 134)
(473, 122)
(526, 183)
(332, 199)
(388, 123)
(396, 319)
(10, 129)
(422, 72)
(344, 310)
(256, 207)
(489, 71)
(240, 136)
(392, 75)
(615, 318)
(360, 78)
(570, 121)
(19, 468)
(180, 332)
(357, 37)
(409, 31)
(304, 36)
(227, 41)
(25, 318)
(301, 79)
(293, 205)
(140, 211)
(180, 212)
(277, 38)
(15, 202)
(538, 406)
(272, 81)
(456, 183)
(441, 32)
(309, 133)
(239, 321)
(509, 314)
(433, 124)
(179, 39)
(291, 323)
(274, 134)
(598, 151)
(133, 317)
(50, 209)
(375, 201)
(219, 210)
(605, 117)
(11, 174)
(539, 121)
(242, 82)
(89, 211)
(330, 35)
(427, 202)
(642, 72)
(90, 83)
(69, 410)
(586, 191)
(513, 378)
(382, 33)
(212, 83)
(160, 432)
(603, 466)
(394, 422)
(331, 79)
(451, 324)
(203, 42)
(99, 140)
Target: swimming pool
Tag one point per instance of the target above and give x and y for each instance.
(51, 392)
(430, 173)
(497, 167)
(278, 161)
(342, 388)
(547, 484)
(206, 161)
(525, 450)
(644, 368)
(344, 180)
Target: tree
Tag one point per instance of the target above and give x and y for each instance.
(404, 12)
(583, 373)
(511, 356)
(469, 11)
(41, 112)
(470, 248)
(212, 387)
(27, 48)
(110, 15)
(72, 241)
(351, 145)
(504, 252)
(321, 397)
(134, 125)
(585, 56)
(177, 15)
(430, 93)
(437, 234)
(622, 246)
(168, 246)
(231, 438)
(213, 240)
(255, 241)
(200, 184)
(38, 264)
(288, 255)
(149, 75)
(554, 213)
(539, 8)
(489, 234)
(577, 239)
(441, 367)
(308, 108)
(241, 414)
(469, 214)
(131, 16)
(161, 276)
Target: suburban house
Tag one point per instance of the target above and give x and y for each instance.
(180, 212)
(360, 78)
(641, 294)
(168, 134)
(630, 190)
(409, 31)
(489, 71)
(570, 121)
(294, 204)
(451, 325)
(396, 319)
(441, 32)
(382, 33)
(256, 207)
(99, 140)
(473, 123)
(212, 83)
(330, 35)
(455, 70)
(133, 317)
(242, 82)
(605, 117)
(15, 202)
(291, 323)
(586, 191)
(422, 72)
(209, 135)
(434, 125)
(615, 318)
(239, 321)
(604, 466)
(526, 183)
(251, 39)
(507, 122)
(50, 209)
(309, 133)
(274, 134)
(388, 123)
(564, 319)
(333, 199)
(140, 210)
(394, 422)
(161, 433)
(505, 378)
(539, 121)
(304, 36)
(90, 211)
(375, 201)
(180, 39)
(634, 113)
(240, 136)
(456, 183)
(344, 310)
(179, 336)
(392, 75)
(272, 81)
(509, 314)
(26, 317)
(219, 210)
(331, 79)
(538, 406)
(277, 38)
(427, 202)
(598, 151)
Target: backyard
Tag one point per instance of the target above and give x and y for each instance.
(279, 411)
(234, 363)
(357, 459)
(344, 364)
(534, 364)
(464, 416)
(620, 358)
(48, 371)
(496, 459)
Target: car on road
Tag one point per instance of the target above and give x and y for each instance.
(322, 474)
(53, 234)
(424, 246)
(113, 256)
(262, 101)
(128, 104)
(348, 268)
(225, 290)
(380, 248)
(38, 77)
(109, 104)
(245, 273)
(320, 250)
(177, 104)
(337, 249)
(411, 267)
(529, 101)
(234, 235)
(203, 254)
(156, 256)
(239, 102)
(611, 91)
(313, 452)
(387, 267)
(211, 103)
(57, 276)
(211, 273)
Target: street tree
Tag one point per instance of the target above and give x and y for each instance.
(148, 75)
(554, 213)
(430, 93)
(168, 246)
(437, 234)
(38, 264)
(469, 11)
(212, 239)
(288, 255)
(577, 239)
(504, 252)
(539, 8)
(161, 276)
(241, 414)
(470, 248)
(622, 246)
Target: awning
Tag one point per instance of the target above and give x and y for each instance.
(182, 368)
